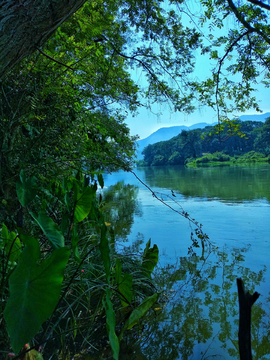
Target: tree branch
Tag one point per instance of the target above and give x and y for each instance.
(242, 20)
(260, 4)
(54, 60)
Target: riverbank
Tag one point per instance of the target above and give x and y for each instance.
(221, 159)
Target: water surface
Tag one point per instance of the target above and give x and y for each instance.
(232, 203)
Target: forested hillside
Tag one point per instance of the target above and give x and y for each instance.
(164, 134)
(235, 139)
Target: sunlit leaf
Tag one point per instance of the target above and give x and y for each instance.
(84, 203)
(12, 244)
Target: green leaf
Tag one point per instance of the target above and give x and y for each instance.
(100, 180)
(150, 257)
(124, 287)
(34, 291)
(83, 204)
(26, 188)
(124, 283)
(12, 244)
(139, 312)
(4, 232)
(110, 325)
(50, 229)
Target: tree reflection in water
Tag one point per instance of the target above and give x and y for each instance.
(119, 207)
(197, 315)
(200, 319)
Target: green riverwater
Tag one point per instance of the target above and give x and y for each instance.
(200, 320)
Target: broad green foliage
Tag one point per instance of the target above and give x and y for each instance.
(11, 243)
(35, 278)
(150, 257)
(34, 290)
(139, 312)
(124, 284)
(83, 203)
(26, 188)
(50, 229)
(243, 137)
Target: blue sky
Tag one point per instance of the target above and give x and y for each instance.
(147, 122)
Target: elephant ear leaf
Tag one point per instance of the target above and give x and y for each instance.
(139, 312)
(12, 244)
(150, 258)
(26, 188)
(50, 229)
(83, 204)
(34, 291)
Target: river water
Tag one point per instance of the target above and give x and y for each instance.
(200, 320)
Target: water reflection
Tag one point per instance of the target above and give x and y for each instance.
(200, 320)
(226, 183)
(119, 206)
(197, 317)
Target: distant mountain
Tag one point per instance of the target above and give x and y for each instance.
(260, 117)
(164, 134)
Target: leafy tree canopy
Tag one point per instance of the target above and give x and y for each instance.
(64, 106)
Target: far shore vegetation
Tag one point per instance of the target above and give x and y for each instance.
(246, 142)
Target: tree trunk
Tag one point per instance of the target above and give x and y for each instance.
(246, 300)
(27, 24)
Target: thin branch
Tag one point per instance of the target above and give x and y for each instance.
(242, 20)
(230, 48)
(181, 212)
(54, 60)
(260, 3)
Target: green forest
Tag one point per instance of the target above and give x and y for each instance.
(66, 86)
(237, 142)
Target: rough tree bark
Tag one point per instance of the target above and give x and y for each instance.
(27, 24)
(246, 300)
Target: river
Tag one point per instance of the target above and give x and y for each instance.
(200, 320)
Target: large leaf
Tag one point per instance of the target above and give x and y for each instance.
(100, 180)
(50, 229)
(110, 325)
(150, 257)
(83, 204)
(12, 244)
(124, 284)
(139, 312)
(26, 188)
(34, 291)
